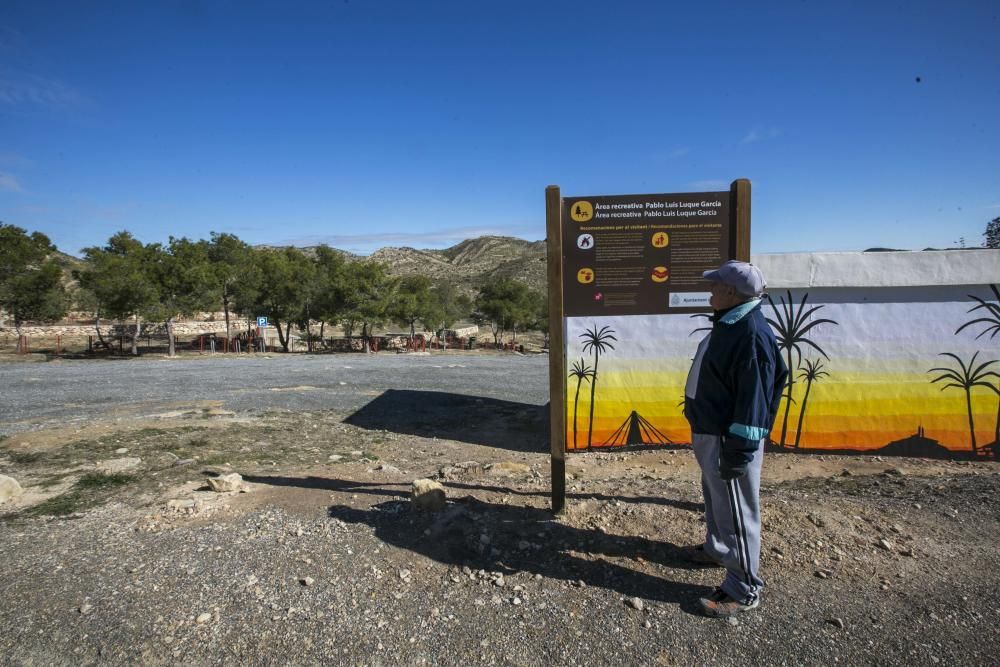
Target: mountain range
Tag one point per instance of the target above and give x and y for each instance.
(466, 265)
(469, 263)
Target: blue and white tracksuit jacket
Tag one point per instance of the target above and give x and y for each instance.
(731, 399)
(736, 382)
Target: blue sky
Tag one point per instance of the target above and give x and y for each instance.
(364, 123)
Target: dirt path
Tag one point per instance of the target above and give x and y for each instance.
(125, 570)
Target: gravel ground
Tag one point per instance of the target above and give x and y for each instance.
(868, 561)
(76, 391)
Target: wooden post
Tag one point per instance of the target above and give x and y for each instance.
(739, 210)
(557, 361)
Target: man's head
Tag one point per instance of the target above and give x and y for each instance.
(734, 283)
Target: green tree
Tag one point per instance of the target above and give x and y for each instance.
(448, 306)
(598, 342)
(187, 282)
(370, 290)
(811, 372)
(502, 303)
(966, 377)
(122, 277)
(278, 289)
(412, 301)
(230, 260)
(330, 286)
(992, 233)
(31, 283)
(542, 316)
(531, 313)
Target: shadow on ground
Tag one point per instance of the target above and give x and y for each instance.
(477, 420)
(402, 490)
(505, 538)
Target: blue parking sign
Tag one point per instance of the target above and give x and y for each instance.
(262, 322)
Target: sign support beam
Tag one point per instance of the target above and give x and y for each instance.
(657, 248)
(557, 350)
(739, 209)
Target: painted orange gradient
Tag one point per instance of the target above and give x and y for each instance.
(862, 411)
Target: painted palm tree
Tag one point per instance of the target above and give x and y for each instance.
(791, 324)
(990, 320)
(701, 315)
(991, 325)
(812, 371)
(597, 342)
(966, 377)
(582, 372)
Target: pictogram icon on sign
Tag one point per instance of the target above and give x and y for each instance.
(585, 276)
(582, 211)
(585, 242)
(660, 240)
(660, 274)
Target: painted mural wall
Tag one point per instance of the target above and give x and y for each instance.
(912, 371)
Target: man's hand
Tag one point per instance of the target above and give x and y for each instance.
(728, 472)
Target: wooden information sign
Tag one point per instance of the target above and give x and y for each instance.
(623, 255)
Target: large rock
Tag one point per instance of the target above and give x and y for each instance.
(460, 470)
(112, 466)
(428, 495)
(9, 489)
(226, 483)
(508, 469)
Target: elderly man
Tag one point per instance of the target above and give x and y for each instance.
(731, 399)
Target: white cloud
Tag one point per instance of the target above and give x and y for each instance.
(9, 183)
(10, 40)
(14, 160)
(708, 185)
(18, 89)
(671, 154)
(760, 133)
(432, 238)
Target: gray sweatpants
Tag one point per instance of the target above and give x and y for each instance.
(732, 518)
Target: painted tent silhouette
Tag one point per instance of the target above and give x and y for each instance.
(636, 430)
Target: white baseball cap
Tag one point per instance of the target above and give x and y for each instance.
(744, 277)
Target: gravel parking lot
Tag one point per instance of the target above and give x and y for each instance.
(118, 552)
(75, 391)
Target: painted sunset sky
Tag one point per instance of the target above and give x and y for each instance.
(878, 389)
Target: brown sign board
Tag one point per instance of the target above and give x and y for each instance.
(631, 255)
(642, 254)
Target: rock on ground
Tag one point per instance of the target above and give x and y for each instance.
(460, 470)
(119, 465)
(428, 495)
(226, 483)
(9, 489)
(508, 468)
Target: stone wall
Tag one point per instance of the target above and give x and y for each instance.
(153, 329)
